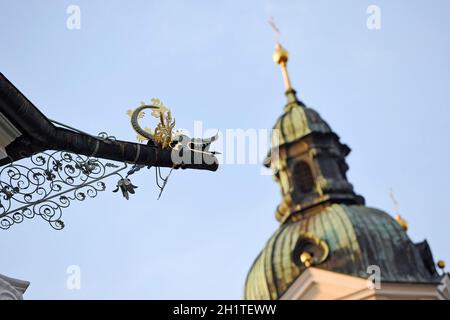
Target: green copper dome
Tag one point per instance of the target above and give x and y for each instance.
(355, 236)
(296, 122)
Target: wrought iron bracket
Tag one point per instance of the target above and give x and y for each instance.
(49, 182)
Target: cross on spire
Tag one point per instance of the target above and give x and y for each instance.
(281, 56)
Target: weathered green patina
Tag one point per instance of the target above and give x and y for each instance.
(357, 237)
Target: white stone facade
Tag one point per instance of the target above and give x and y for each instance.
(12, 289)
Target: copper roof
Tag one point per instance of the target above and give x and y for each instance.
(296, 122)
(357, 237)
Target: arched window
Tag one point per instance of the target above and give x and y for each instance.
(303, 178)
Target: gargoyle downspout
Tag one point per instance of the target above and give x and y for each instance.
(40, 134)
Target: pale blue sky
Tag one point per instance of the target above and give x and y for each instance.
(384, 92)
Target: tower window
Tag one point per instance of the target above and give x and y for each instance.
(303, 178)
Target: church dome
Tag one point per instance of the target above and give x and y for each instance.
(350, 238)
(296, 122)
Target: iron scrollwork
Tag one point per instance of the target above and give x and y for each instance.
(50, 182)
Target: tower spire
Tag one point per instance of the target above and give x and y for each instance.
(281, 57)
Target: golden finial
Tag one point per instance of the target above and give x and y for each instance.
(281, 56)
(441, 264)
(306, 258)
(402, 222)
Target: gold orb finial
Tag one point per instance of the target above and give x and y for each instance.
(280, 56)
(306, 258)
(441, 264)
(402, 222)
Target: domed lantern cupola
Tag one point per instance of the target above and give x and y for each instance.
(307, 158)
